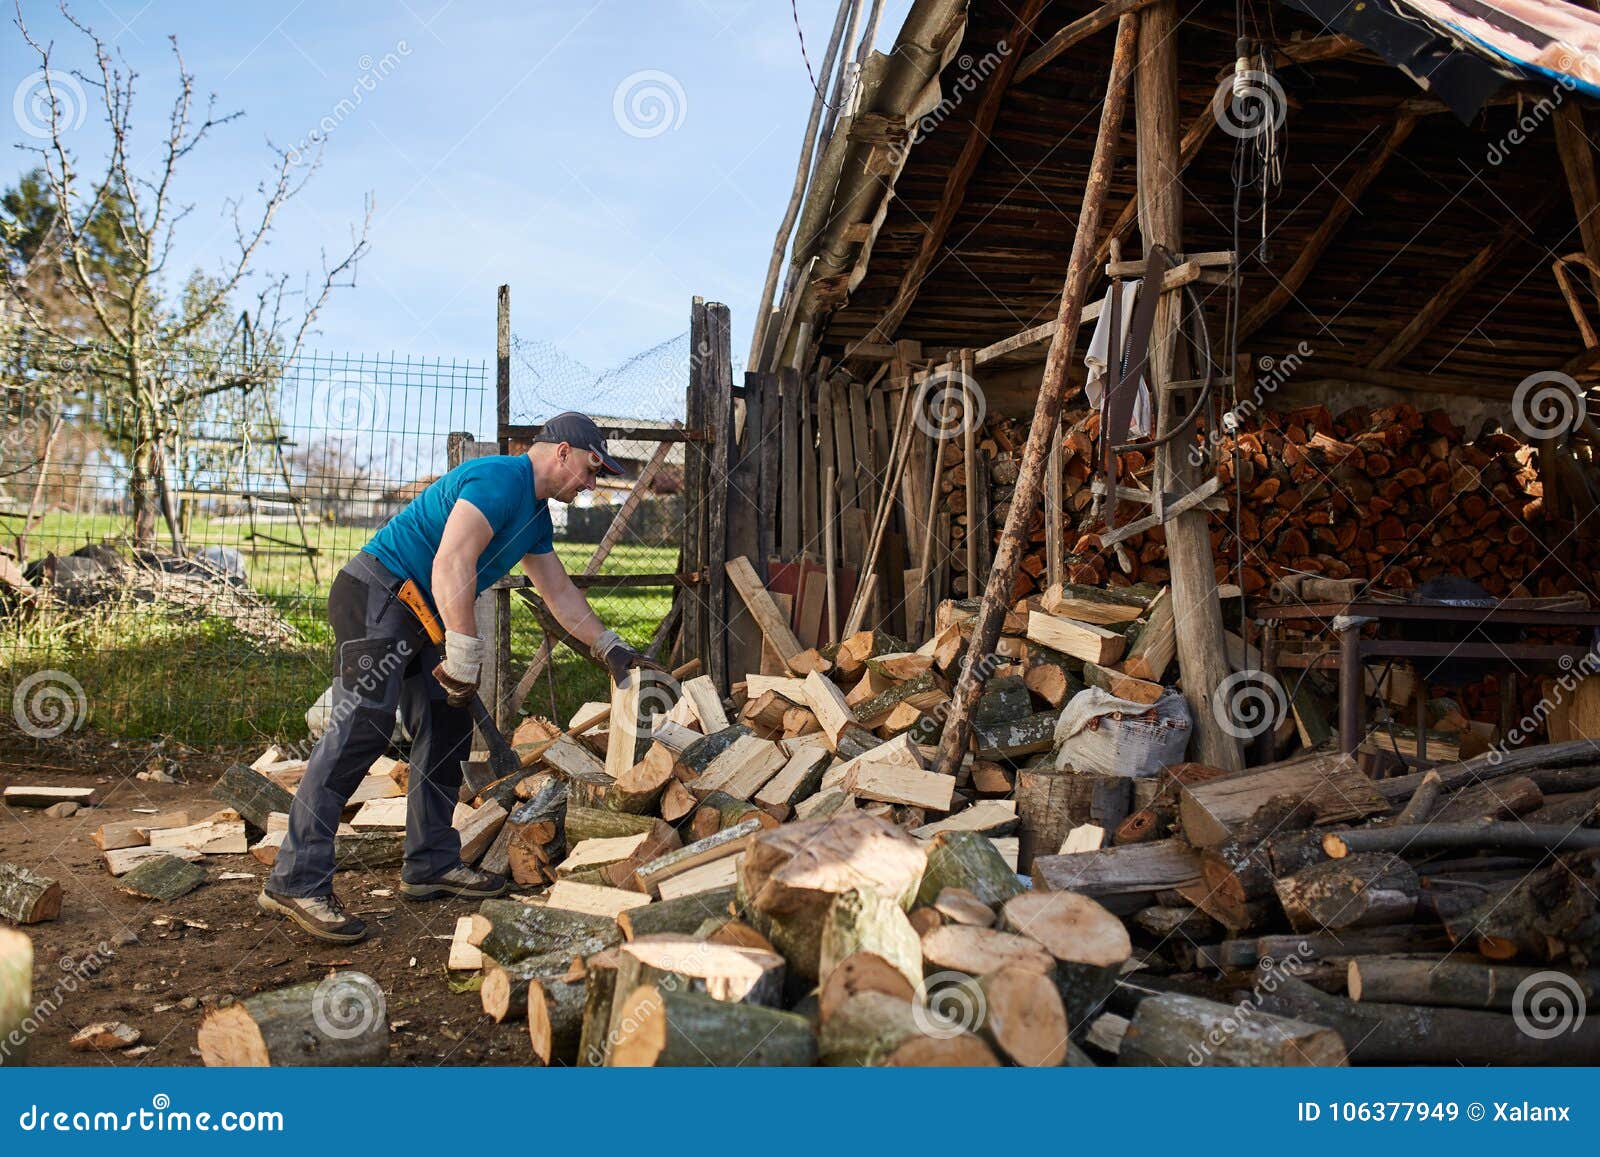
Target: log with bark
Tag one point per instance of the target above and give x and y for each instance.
(26, 897)
(659, 1026)
(874, 1028)
(1177, 1029)
(16, 1001)
(340, 1020)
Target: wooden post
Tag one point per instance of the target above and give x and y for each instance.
(715, 369)
(691, 550)
(1047, 410)
(744, 635)
(1197, 611)
(495, 627)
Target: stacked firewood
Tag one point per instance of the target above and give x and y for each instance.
(778, 877)
(1388, 494)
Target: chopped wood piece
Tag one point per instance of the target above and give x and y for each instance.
(1080, 640)
(724, 844)
(1131, 868)
(512, 931)
(104, 1035)
(599, 990)
(991, 817)
(827, 703)
(975, 951)
(1177, 1029)
(742, 770)
(960, 906)
(701, 694)
(464, 956)
(340, 1020)
(774, 625)
(679, 917)
(26, 897)
(16, 993)
(864, 972)
(1333, 784)
(479, 829)
(209, 837)
(712, 877)
(799, 777)
(969, 860)
(661, 1027)
(875, 1028)
(1022, 1017)
(555, 1019)
(790, 876)
(637, 789)
(865, 921)
(252, 794)
(1089, 944)
(136, 833)
(164, 878)
(1028, 736)
(121, 861)
(1121, 685)
(1355, 892)
(596, 901)
(1157, 642)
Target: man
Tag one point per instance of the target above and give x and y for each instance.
(454, 540)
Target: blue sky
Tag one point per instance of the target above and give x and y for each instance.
(487, 135)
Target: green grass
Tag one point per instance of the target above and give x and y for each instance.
(201, 681)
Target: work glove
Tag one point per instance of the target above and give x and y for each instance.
(458, 673)
(620, 658)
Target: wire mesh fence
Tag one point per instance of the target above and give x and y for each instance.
(181, 559)
(640, 397)
(182, 536)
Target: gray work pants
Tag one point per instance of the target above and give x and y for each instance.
(383, 661)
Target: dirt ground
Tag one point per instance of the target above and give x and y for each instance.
(169, 963)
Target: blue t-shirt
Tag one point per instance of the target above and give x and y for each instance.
(501, 487)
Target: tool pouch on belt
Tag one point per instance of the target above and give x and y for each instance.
(372, 668)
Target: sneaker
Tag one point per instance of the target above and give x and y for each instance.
(458, 881)
(321, 916)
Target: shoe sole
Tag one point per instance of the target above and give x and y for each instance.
(443, 891)
(268, 904)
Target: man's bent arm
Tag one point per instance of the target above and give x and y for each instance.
(455, 566)
(562, 596)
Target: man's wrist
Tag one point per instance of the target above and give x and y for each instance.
(463, 656)
(604, 642)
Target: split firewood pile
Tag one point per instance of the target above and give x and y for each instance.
(777, 877)
(1392, 494)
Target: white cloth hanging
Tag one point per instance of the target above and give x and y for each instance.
(1099, 356)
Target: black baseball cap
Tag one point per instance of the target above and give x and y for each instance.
(579, 430)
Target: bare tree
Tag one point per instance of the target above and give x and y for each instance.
(156, 360)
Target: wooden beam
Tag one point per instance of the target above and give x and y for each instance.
(1284, 289)
(1079, 30)
(1196, 610)
(1460, 283)
(955, 184)
(1577, 159)
(1047, 410)
(1199, 130)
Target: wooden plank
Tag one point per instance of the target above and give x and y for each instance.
(1574, 147)
(743, 635)
(767, 449)
(464, 955)
(790, 521)
(39, 795)
(773, 623)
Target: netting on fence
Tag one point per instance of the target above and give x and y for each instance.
(187, 539)
(187, 533)
(642, 395)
